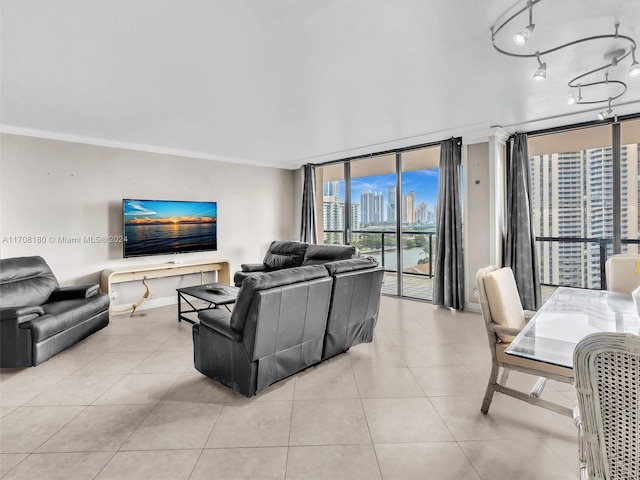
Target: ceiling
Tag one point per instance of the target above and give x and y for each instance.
(287, 82)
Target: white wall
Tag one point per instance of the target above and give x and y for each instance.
(51, 189)
(478, 208)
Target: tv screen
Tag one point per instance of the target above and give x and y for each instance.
(155, 227)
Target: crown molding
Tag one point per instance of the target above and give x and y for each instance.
(139, 147)
(483, 136)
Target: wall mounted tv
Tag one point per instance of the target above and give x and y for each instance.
(158, 227)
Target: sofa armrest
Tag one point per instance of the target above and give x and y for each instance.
(220, 322)
(20, 313)
(253, 267)
(74, 292)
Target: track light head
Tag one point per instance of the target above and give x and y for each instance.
(574, 99)
(607, 113)
(522, 36)
(634, 69)
(541, 73)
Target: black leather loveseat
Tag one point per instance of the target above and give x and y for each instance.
(286, 320)
(287, 254)
(38, 318)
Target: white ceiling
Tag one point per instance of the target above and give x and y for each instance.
(286, 82)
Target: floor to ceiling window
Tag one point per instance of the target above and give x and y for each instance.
(385, 205)
(585, 200)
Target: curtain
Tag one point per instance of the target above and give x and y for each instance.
(520, 246)
(448, 280)
(308, 228)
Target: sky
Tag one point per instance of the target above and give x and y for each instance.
(424, 184)
(162, 210)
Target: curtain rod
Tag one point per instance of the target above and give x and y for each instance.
(579, 126)
(379, 154)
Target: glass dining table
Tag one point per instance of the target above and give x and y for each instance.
(569, 315)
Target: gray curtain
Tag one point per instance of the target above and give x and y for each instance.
(520, 242)
(448, 280)
(308, 228)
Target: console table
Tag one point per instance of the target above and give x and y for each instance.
(145, 272)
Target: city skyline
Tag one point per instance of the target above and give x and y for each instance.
(423, 183)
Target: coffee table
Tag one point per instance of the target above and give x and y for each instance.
(215, 294)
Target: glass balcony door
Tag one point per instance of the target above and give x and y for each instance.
(385, 205)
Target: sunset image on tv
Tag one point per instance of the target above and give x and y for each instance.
(154, 227)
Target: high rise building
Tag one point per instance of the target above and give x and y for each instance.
(371, 207)
(421, 213)
(330, 189)
(408, 207)
(391, 206)
(572, 197)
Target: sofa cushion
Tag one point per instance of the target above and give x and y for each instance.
(504, 301)
(25, 281)
(60, 316)
(265, 281)
(284, 254)
(317, 254)
(353, 264)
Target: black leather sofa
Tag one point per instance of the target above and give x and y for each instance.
(289, 254)
(287, 320)
(38, 318)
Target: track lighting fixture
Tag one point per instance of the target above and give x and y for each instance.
(607, 113)
(573, 99)
(614, 88)
(522, 36)
(541, 73)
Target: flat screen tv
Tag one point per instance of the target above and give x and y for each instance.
(158, 227)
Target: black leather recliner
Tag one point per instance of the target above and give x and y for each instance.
(288, 254)
(38, 318)
(276, 329)
(355, 303)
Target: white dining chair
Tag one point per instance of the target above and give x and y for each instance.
(623, 272)
(607, 380)
(504, 317)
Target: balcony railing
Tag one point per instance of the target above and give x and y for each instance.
(576, 269)
(384, 248)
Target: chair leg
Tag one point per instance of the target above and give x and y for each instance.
(491, 388)
(505, 376)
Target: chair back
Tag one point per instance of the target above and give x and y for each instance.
(499, 299)
(607, 379)
(284, 254)
(25, 281)
(623, 272)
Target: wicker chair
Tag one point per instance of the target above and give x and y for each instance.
(623, 272)
(504, 318)
(607, 369)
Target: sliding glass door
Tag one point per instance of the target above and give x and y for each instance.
(418, 198)
(385, 205)
(374, 221)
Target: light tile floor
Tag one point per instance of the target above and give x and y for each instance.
(127, 403)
